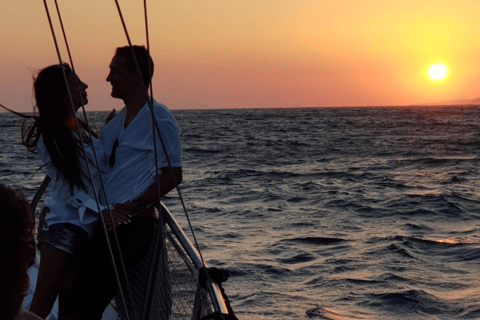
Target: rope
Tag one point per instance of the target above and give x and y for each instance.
(155, 123)
(102, 185)
(137, 67)
(82, 145)
(155, 128)
(152, 274)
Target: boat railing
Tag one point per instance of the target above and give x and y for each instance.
(212, 288)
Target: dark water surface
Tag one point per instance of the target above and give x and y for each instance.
(335, 213)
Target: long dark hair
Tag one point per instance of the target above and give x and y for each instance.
(54, 124)
(17, 252)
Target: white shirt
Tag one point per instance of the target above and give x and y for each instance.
(65, 207)
(134, 168)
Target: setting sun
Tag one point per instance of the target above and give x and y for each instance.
(437, 71)
(368, 53)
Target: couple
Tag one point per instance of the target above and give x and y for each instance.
(75, 263)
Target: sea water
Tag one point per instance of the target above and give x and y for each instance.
(325, 213)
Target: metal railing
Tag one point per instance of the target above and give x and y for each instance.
(212, 288)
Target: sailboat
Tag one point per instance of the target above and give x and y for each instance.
(171, 282)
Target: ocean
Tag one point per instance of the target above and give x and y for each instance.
(325, 213)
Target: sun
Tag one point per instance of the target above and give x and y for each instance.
(437, 71)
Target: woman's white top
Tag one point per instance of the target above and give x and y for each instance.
(65, 207)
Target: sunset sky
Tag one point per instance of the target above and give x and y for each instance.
(253, 53)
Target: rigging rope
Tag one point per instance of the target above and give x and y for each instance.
(156, 128)
(102, 185)
(83, 147)
(152, 274)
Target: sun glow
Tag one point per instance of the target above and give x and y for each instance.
(437, 71)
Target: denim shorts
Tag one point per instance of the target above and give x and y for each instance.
(66, 237)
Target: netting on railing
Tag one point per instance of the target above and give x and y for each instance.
(176, 294)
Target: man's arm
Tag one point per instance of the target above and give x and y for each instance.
(166, 182)
(142, 206)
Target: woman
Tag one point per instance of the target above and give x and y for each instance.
(17, 253)
(71, 209)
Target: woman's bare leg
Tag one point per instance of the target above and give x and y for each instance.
(63, 296)
(52, 274)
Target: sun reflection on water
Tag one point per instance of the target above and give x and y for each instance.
(466, 240)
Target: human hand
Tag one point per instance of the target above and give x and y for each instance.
(121, 214)
(110, 116)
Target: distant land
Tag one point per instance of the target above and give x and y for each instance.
(475, 101)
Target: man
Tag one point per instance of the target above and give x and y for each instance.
(130, 184)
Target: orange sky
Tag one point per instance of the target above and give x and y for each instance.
(250, 53)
